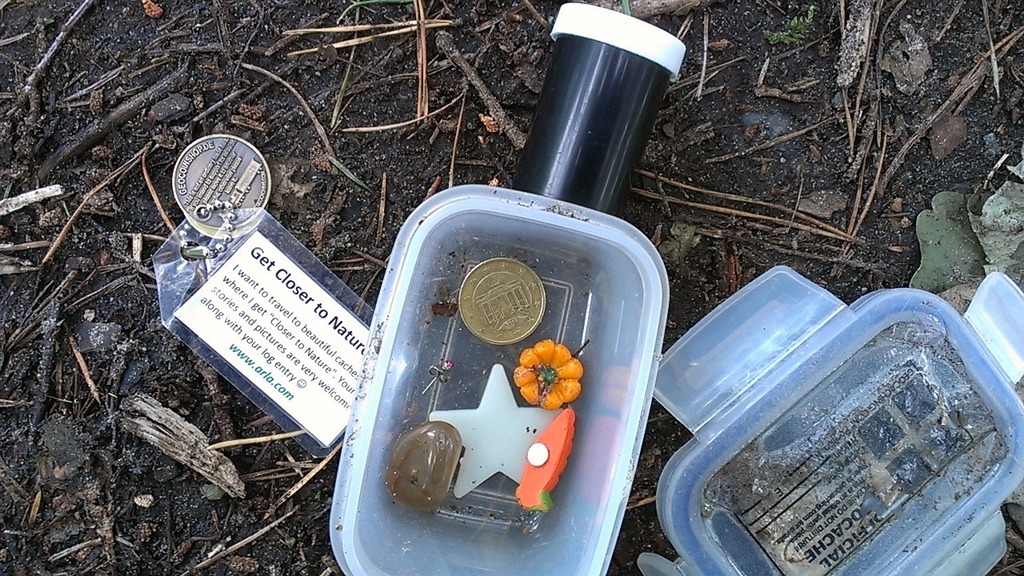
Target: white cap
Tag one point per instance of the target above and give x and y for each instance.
(621, 31)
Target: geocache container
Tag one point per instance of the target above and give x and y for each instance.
(604, 283)
(876, 438)
(605, 293)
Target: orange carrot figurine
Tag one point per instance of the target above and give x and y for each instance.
(545, 462)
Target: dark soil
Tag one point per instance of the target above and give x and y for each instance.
(83, 496)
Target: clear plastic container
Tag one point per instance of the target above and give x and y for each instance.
(879, 438)
(605, 284)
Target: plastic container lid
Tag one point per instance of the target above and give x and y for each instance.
(621, 31)
(878, 438)
(605, 283)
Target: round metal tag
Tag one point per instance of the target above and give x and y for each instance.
(221, 168)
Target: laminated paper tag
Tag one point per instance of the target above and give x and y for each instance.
(274, 322)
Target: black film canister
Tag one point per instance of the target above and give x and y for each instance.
(607, 78)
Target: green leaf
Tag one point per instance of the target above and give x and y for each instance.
(349, 174)
(950, 251)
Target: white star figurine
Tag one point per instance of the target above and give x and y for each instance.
(497, 434)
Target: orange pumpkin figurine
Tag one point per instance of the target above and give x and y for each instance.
(546, 461)
(548, 375)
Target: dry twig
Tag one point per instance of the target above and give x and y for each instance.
(704, 59)
(257, 440)
(422, 59)
(91, 135)
(303, 481)
(85, 200)
(240, 544)
(381, 208)
(967, 85)
(455, 142)
(367, 129)
(742, 214)
(153, 194)
(773, 142)
(302, 101)
(793, 214)
(367, 39)
(447, 45)
(30, 91)
(84, 368)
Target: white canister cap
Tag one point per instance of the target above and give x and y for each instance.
(621, 31)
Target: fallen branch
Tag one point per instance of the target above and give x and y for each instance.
(96, 131)
(179, 439)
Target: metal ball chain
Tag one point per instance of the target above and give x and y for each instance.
(194, 251)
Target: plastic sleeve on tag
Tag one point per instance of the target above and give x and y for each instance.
(997, 314)
(730, 348)
(273, 321)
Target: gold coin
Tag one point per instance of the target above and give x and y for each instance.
(221, 168)
(501, 301)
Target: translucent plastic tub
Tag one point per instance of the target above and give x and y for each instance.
(879, 438)
(604, 284)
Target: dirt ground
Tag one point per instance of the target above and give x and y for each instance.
(765, 123)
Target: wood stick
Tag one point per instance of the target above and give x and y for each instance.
(422, 59)
(368, 39)
(302, 101)
(84, 368)
(745, 200)
(257, 440)
(303, 481)
(368, 129)
(153, 194)
(741, 214)
(9, 205)
(179, 439)
(240, 544)
(85, 200)
(773, 142)
(362, 27)
(30, 90)
(455, 143)
(447, 45)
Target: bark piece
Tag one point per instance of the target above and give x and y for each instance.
(176, 437)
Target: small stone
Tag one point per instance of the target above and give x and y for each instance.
(212, 491)
(96, 335)
(423, 464)
(144, 500)
(537, 455)
(171, 108)
(669, 129)
(991, 144)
